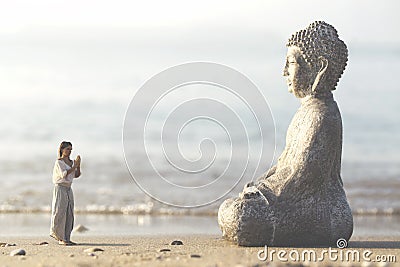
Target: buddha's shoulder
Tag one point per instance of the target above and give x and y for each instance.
(322, 105)
(324, 111)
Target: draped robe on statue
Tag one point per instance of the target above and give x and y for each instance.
(301, 200)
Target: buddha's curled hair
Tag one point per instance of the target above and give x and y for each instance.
(321, 39)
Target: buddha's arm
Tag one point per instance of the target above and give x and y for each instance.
(309, 157)
(271, 170)
(264, 176)
(267, 174)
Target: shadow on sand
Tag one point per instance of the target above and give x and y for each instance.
(374, 244)
(103, 244)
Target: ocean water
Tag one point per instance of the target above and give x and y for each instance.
(43, 109)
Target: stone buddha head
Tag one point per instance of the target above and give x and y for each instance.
(315, 60)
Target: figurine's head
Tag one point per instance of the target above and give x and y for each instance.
(315, 60)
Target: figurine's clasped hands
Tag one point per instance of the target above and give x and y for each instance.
(78, 161)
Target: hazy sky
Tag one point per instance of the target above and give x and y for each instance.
(357, 20)
(82, 45)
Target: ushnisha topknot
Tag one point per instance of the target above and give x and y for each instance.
(321, 39)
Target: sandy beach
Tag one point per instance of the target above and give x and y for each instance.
(197, 250)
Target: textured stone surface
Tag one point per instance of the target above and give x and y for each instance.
(248, 219)
(301, 200)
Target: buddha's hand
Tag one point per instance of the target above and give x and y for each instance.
(250, 192)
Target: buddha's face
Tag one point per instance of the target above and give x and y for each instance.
(298, 73)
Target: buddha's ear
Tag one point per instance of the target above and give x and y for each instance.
(323, 62)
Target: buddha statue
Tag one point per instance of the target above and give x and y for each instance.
(300, 201)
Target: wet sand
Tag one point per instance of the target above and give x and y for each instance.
(197, 250)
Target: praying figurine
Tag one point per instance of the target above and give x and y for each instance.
(300, 201)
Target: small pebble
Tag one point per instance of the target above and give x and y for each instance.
(165, 250)
(91, 254)
(93, 250)
(176, 242)
(80, 228)
(17, 252)
(42, 243)
(7, 245)
(195, 256)
(127, 253)
(71, 255)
